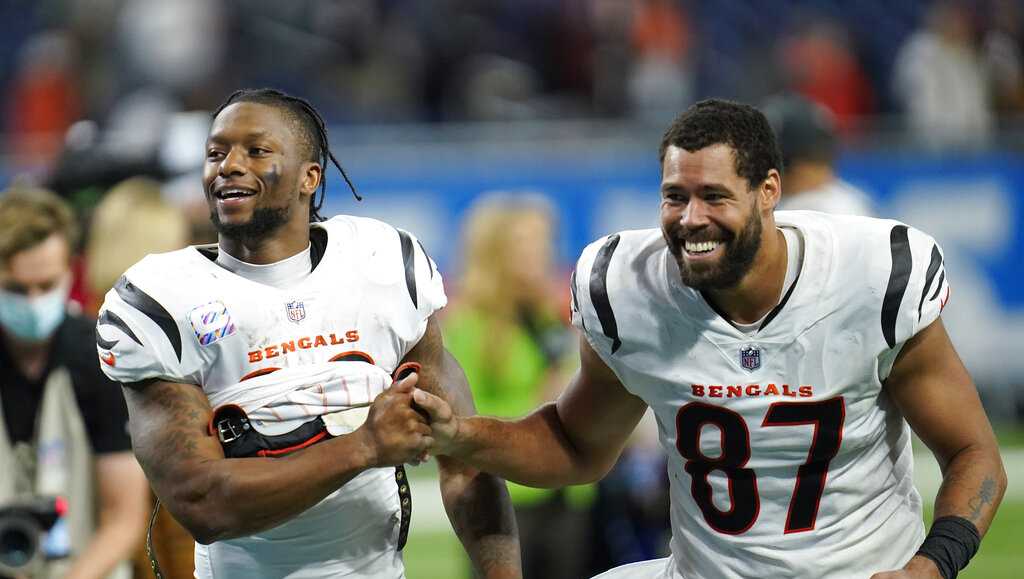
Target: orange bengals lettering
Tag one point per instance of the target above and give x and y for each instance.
(741, 390)
(303, 343)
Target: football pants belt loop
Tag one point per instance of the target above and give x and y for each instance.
(401, 478)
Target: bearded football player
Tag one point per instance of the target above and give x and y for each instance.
(787, 358)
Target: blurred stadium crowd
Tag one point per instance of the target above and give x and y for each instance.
(106, 102)
(950, 70)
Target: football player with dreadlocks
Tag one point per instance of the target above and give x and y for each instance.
(258, 371)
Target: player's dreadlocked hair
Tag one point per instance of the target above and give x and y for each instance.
(740, 126)
(313, 134)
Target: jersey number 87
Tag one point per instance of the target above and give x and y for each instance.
(827, 416)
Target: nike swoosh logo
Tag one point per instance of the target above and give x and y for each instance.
(108, 358)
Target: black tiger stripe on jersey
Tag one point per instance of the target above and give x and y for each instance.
(109, 318)
(938, 286)
(899, 277)
(933, 268)
(104, 344)
(409, 257)
(141, 301)
(575, 300)
(430, 264)
(599, 291)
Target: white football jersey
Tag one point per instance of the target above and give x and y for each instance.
(181, 317)
(786, 457)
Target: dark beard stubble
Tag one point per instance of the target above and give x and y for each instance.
(739, 256)
(264, 221)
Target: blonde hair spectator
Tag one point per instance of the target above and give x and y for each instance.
(132, 221)
(507, 253)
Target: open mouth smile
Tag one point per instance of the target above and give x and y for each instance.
(233, 193)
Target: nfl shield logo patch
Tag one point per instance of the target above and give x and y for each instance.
(296, 311)
(750, 357)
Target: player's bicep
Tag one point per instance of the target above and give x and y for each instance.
(933, 390)
(168, 424)
(597, 413)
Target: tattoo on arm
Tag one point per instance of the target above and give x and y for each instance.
(167, 423)
(986, 496)
(499, 553)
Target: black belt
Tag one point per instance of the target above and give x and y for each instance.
(232, 427)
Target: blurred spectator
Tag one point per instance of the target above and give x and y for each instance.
(63, 425)
(43, 101)
(818, 63)
(661, 81)
(1002, 47)
(132, 221)
(807, 138)
(941, 81)
(495, 88)
(611, 54)
(386, 84)
(506, 332)
(176, 46)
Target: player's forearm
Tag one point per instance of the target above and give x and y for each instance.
(973, 483)
(228, 498)
(533, 451)
(481, 513)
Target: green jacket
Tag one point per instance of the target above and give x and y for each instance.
(506, 386)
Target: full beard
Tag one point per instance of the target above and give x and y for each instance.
(264, 221)
(733, 265)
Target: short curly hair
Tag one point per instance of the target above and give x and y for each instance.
(742, 127)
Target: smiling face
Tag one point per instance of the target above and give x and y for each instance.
(257, 176)
(710, 216)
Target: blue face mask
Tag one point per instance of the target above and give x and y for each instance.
(33, 319)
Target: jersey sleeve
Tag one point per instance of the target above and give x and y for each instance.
(137, 338)
(422, 278)
(405, 284)
(425, 288)
(917, 289)
(589, 302)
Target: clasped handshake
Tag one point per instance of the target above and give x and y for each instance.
(407, 425)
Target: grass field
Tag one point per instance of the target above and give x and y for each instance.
(433, 552)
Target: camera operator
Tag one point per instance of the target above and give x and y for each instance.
(62, 424)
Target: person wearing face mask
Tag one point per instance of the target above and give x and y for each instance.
(62, 423)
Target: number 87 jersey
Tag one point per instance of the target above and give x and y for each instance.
(786, 457)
